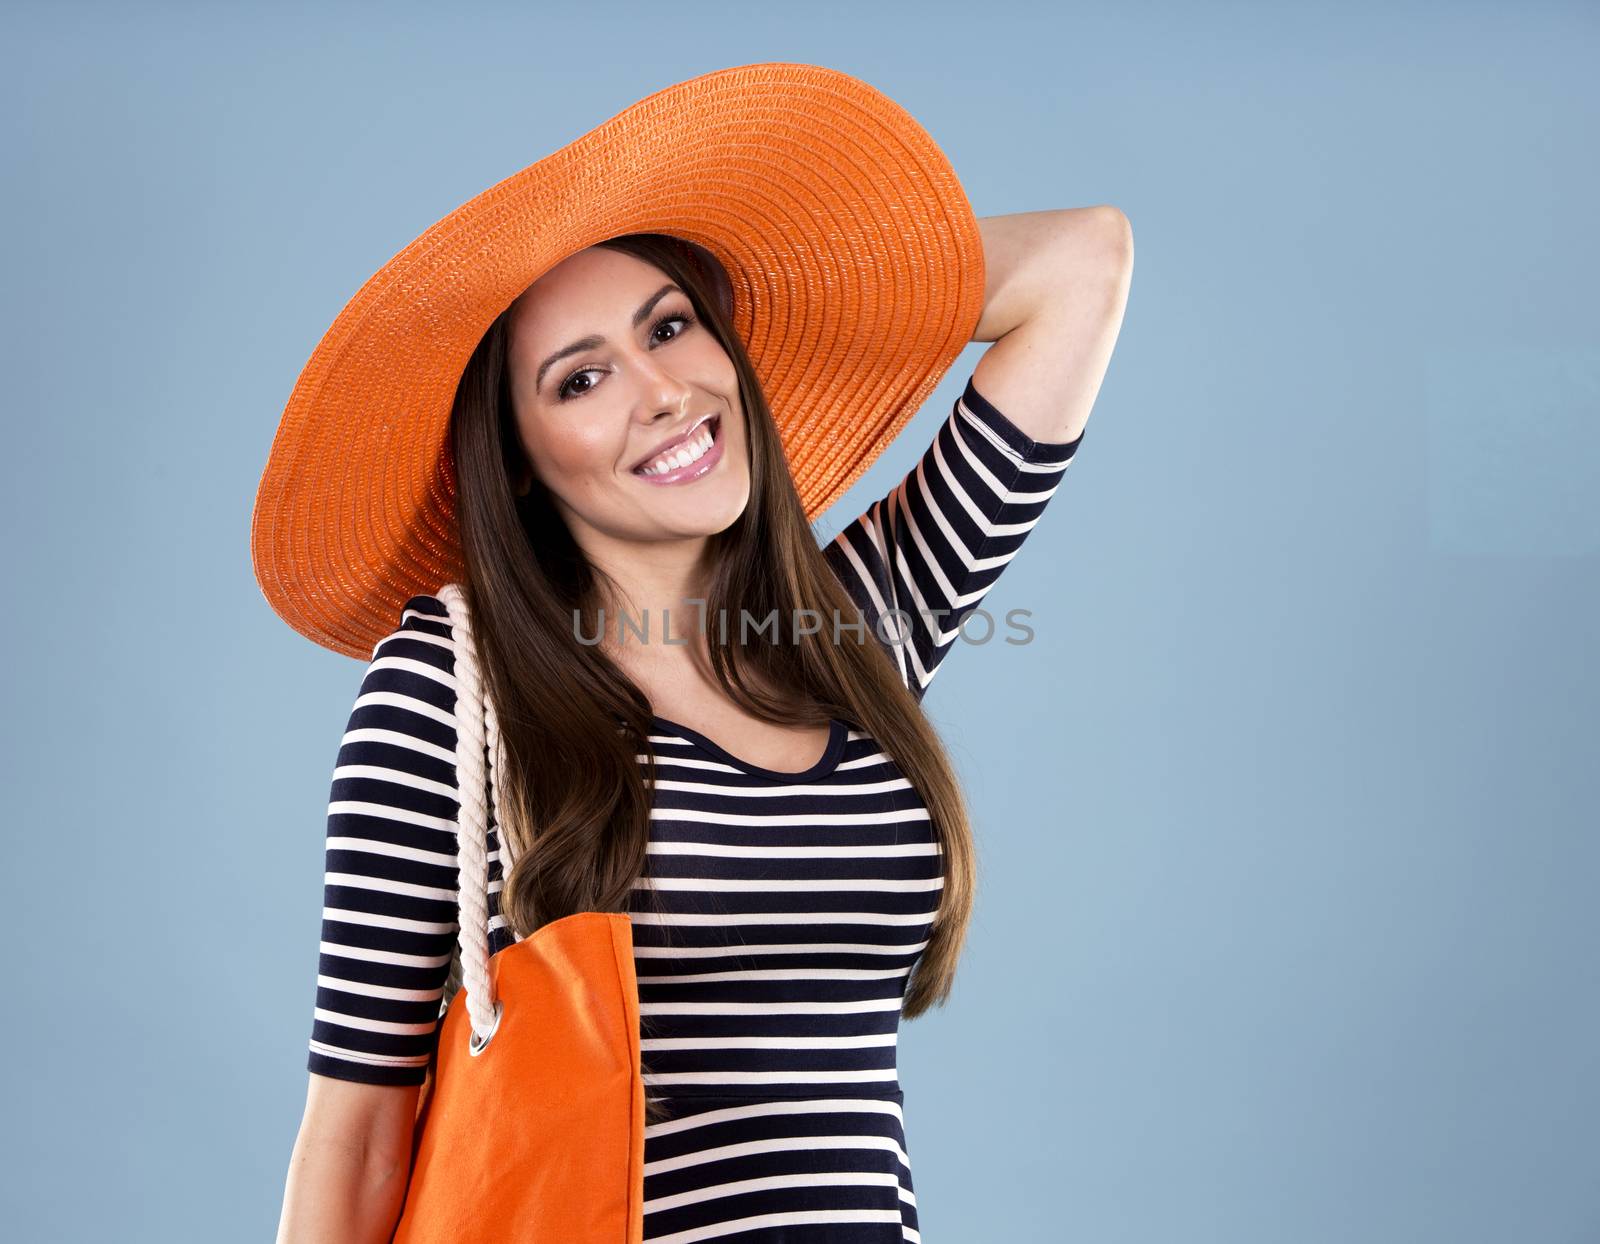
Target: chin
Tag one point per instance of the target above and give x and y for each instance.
(711, 520)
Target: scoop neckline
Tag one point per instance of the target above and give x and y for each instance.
(837, 734)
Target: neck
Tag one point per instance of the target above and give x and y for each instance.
(657, 601)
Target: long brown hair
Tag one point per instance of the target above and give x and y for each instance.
(572, 802)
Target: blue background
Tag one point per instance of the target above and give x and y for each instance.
(1288, 920)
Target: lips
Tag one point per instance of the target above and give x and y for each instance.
(687, 435)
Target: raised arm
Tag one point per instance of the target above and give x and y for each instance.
(931, 549)
(1055, 289)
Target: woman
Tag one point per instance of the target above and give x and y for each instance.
(772, 808)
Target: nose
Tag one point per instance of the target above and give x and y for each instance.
(661, 392)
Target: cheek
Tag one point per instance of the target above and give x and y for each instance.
(741, 439)
(565, 455)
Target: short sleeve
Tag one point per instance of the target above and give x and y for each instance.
(935, 545)
(389, 891)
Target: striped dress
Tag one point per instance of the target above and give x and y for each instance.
(787, 908)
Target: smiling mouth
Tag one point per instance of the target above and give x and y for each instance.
(698, 452)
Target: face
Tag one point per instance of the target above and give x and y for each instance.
(608, 363)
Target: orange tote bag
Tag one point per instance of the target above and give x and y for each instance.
(530, 1125)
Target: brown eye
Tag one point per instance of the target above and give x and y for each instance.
(563, 390)
(563, 395)
(685, 320)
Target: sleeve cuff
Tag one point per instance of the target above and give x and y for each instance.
(1018, 441)
(364, 1073)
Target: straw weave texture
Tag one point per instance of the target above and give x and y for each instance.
(857, 278)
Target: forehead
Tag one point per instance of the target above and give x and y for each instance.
(593, 290)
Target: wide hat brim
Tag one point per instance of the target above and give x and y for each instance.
(857, 277)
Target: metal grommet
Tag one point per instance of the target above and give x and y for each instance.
(474, 1046)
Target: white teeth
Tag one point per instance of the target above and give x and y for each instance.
(691, 452)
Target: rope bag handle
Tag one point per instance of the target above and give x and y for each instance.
(477, 731)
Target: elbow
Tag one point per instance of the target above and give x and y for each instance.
(1117, 233)
(1093, 246)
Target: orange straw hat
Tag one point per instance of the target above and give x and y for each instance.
(856, 273)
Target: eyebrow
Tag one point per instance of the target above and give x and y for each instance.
(591, 342)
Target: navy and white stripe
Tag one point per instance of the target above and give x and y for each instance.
(780, 915)
(934, 546)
